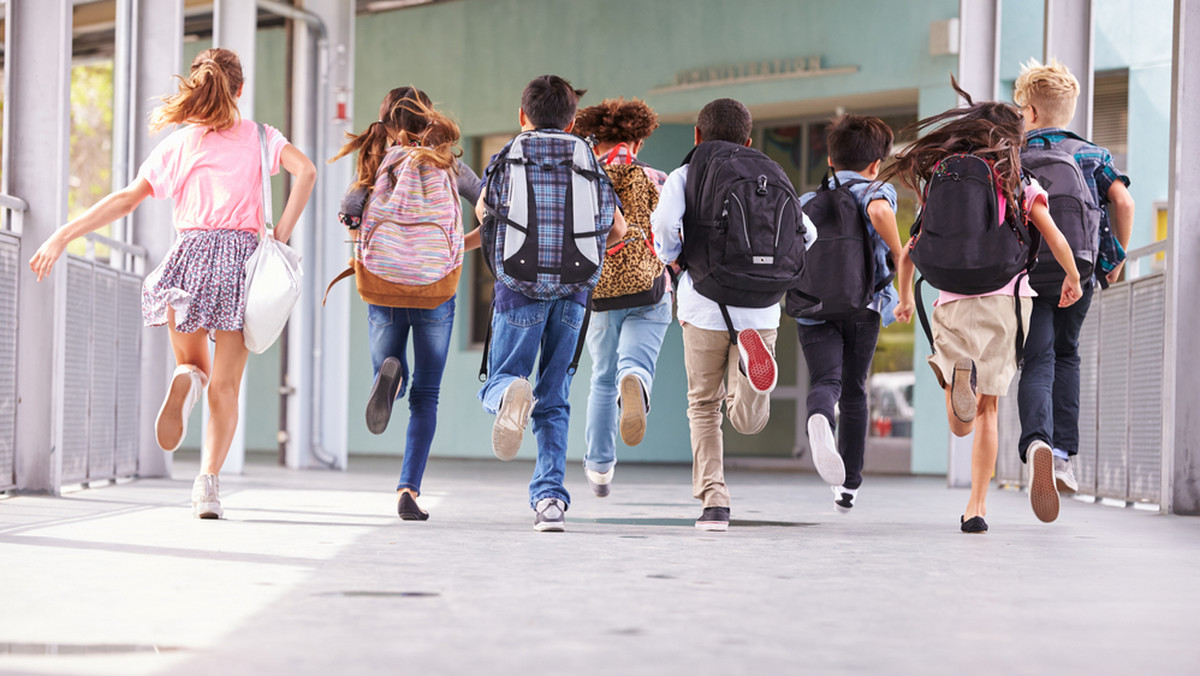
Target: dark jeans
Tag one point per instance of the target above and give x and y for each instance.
(838, 354)
(1048, 394)
(388, 336)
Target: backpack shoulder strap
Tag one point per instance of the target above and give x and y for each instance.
(348, 272)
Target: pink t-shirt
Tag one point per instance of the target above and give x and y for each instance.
(215, 179)
(1034, 193)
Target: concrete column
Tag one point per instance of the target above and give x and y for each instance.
(318, 353)
(235, 26)
(979, 48)
(156, 53)
(37, 140)
(1069, 28)
(1181, 456)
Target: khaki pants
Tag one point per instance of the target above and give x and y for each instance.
(711, 361)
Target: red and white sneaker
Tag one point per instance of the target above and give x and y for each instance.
(756, 361)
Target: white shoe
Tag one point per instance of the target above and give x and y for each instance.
(187, 384)
(206, 497)
(599, 482)
(824, 451)
(843, 498)
(515, 406)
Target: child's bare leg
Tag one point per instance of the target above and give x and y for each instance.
(983, 455)
(957, 427)
(229, 363)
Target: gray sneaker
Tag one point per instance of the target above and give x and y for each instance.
(206, 497)
(515, 406)
(599, 482)
(551, 515)
(1064, 475)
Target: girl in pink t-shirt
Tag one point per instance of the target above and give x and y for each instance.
(975, 336)
(211, 169)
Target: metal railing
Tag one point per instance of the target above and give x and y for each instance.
(1121, 350)
(12, 210)
(103, 361)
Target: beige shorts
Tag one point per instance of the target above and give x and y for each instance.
(984, 329)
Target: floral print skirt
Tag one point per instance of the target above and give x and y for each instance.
(203, 279)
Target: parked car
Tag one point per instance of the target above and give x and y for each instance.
(891, 403)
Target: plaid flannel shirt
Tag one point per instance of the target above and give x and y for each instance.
(549, 193)
(1098, 169)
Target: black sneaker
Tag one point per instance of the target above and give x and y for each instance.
(383, 395)
(551, 516)
(408, 509)
(714, 519)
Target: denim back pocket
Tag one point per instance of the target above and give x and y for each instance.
(437, 315)
(572, 314)
(532, 314)
(379, 315)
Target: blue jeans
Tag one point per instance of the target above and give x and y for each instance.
(388, 336)
(1048, 394)
(621, 342)
(551, 327)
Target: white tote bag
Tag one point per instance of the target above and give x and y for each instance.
(272, 275)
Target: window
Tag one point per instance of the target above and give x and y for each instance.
(481, 278)
(1110, 114)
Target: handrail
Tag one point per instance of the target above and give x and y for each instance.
(124, 247)
(1148, 250)
(13, 203)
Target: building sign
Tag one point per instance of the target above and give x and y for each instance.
(752, 71)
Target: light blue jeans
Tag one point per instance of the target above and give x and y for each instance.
(621, 342)
(550, 328)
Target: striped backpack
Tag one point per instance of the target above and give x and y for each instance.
(409, 249)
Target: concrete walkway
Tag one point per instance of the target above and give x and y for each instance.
(312, 573)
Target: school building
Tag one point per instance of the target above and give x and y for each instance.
(319, 68)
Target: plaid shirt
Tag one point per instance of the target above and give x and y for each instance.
(549, 196)
(1098, 169)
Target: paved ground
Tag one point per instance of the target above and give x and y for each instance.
(311, 573)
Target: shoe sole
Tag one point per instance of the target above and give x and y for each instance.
(408, 510)
(760, 365)
(600, 490)
(379, 407)
(208, 511)
(962, 399)
(170, 426)
(712, 526)
(549, 527)
(633, 411)
(509, 428)
(1043, 495)
(828, 461)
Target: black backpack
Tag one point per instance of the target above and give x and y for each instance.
(958, 243)
(743, 230)
(1071, 206)
(839, 276)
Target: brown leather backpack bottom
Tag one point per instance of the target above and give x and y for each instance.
(378, 291)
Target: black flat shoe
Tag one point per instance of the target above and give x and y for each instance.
(383, 395)
(408, 510)
(975, 524)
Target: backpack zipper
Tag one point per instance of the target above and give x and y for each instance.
(745, 228)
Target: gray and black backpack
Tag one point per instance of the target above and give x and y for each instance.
(1071, 206)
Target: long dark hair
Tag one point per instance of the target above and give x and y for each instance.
(990, 129)
(406, 117)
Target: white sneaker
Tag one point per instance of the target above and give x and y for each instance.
(824, 451)
(206, 497)
(515, 406)
(599, 481)
(187, 384)
(843, 498)
(550, 516)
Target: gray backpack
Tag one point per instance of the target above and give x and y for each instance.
(1071, 206)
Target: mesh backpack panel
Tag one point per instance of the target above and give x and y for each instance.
(1071, 207)
(549, 206)
(743, 230)
(958, 243)
(839, 271)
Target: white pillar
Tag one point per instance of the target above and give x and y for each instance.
(235, 27)
(37, 44)
(1181, 456)
(156, 51)
(1068, 38)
